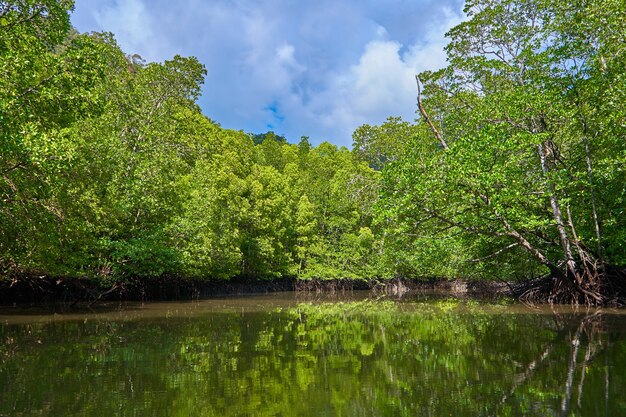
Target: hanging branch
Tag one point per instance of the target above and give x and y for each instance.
(426, 117)
(493, 255)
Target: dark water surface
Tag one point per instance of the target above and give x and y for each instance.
(284, 355)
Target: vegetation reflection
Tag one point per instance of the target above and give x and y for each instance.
(359, 358)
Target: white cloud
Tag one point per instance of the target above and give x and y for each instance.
(381, 84)
(133, 26)
(305, 68)
(286, 55)
(381, 80)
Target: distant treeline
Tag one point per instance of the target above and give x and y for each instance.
(515, 168)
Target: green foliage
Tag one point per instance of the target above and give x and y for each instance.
(530, 154)
(92, 148)
(379, 145)
(52, 79)
(259, 138)
(266, 211)
(109, 169)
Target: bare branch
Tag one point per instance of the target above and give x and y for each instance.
(496, 253)
(426, 117)
(13, 168)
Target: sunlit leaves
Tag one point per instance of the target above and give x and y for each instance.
(524, 75)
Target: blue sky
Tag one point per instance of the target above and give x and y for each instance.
(315, 68)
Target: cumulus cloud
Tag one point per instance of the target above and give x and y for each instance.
(300, 68)
(132, 25)
(382, 84)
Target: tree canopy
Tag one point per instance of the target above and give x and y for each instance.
(520, 156)
(514, 169)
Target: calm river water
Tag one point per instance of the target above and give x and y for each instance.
(288, 355)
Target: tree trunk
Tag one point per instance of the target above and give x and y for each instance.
(596, 219)
(558, 218)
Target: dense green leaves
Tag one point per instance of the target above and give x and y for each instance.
(379, 145)
(531, 170)
(108, 168)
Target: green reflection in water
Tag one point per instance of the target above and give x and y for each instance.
(365, 358)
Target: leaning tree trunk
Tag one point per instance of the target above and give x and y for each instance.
(580, 281)
(558, 216)
(573, 284)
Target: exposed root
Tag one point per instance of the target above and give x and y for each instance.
(606, 288)
(593, 287)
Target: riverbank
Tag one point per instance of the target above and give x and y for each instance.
(44, 289)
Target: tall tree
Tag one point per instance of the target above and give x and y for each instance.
(379, 145)
(513, 158)
(52, 79)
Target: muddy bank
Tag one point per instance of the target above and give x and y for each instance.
(43, 289)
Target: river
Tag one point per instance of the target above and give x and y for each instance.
(289, 354)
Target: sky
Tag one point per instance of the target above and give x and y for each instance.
(298, 68)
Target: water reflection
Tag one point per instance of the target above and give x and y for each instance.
(271, 357)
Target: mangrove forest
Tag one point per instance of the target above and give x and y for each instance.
(513, 170)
